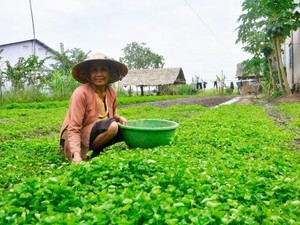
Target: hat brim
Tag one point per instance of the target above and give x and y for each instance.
(117, 70)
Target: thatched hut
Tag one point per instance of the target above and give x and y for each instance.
(153, 77)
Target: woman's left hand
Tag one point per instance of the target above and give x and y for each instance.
(123, 121)
(76, 158)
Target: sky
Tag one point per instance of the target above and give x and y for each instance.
(197, 35)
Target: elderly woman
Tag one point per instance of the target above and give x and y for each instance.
(91, 121)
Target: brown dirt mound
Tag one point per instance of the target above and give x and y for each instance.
(287, 99)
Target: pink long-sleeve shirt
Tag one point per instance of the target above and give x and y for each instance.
(82, 114)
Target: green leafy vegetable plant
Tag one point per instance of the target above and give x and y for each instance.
(226, 165)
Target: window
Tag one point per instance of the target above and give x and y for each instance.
(291, 55)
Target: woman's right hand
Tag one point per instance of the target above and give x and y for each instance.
(76, 157)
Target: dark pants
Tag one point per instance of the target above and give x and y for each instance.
(99, 128)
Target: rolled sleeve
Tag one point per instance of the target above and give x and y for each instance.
(77, 111)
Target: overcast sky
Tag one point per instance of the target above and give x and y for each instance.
(197, 35)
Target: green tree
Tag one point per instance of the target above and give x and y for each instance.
(66, 59)
(25, 73)
(60, 79)
(273, 20)
(283, 18)
(138, 56)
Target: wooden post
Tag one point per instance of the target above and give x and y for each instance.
(0, 82)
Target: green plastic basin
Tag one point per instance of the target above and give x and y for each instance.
(148, 133)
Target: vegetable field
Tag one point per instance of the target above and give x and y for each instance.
(227, 165)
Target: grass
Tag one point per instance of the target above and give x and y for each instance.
(28, 96)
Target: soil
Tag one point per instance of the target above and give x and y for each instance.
(205, 101)
(289, 99)
(283, 120)
(217, 100)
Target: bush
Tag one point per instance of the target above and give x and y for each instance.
(23, 96)
(181, 89)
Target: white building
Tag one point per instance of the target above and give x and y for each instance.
(292, 58)
(13, 51)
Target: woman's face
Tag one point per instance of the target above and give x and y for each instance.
(99, 74)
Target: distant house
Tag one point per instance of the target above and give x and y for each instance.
(156, 77)
(13, 51)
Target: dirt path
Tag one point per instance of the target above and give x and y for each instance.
(204, 101)
(284, 120)
(215, 101)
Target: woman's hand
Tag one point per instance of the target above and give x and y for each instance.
(123, 121)
(76, 157)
